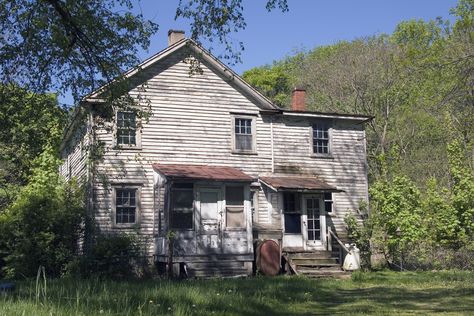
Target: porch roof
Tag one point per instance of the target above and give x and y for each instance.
(297, 183)
(201, 172)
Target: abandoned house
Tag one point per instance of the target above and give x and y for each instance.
(219, 165)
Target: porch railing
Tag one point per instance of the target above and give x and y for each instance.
(343, 250)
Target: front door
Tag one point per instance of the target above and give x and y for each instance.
(209, 220)
(315, 222)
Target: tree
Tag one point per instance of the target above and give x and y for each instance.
(30, 122)
(43, 225)
(273, 82)
(78, 45)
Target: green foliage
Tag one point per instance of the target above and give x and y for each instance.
(360, 231)
(396, 210)
(60, 41)
(440, 218)
(43, 225)
(273, 82)
(29, 123)
(112, 256)
(462, 188)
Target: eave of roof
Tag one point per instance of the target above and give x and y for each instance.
(297, 183)
(201, 172)
(347, 116)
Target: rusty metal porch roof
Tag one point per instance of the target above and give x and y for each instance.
(201, 172)
(297, 183)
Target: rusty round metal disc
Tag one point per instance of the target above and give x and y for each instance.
(268, 257)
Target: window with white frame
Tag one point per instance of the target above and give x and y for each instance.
(244, 134)
(182, 206)
(126, 129)
(321, 139)
(126, 205)
(234, 198)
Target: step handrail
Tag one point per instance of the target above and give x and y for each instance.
(342, 247)
(333, 235)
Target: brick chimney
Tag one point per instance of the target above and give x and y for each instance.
(298, 99)
(174, 36)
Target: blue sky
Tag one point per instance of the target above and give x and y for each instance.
(308, 24)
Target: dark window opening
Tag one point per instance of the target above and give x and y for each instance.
(292, 212)
(182, 206)
(328, 202)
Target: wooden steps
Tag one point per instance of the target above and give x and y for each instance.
(218, 269)
(315, 264)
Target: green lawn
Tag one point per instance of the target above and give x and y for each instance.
(373, 293)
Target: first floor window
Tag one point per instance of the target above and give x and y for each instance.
(292, 212)
(243, 133)
(125, 206)
(182, 206)
(320, 139)
(126, 128)
(234, 196)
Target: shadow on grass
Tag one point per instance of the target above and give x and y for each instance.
(374, 293)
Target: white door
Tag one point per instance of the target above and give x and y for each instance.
(210, 221)
(314, 220)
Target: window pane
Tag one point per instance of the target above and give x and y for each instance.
(328, 196)
(182, 199)
(291, 202)
(243, 142)
(182, 220)
(125, 206)
(328, 206)
(293, 223)
(126, 128)
(320, 139)
(234, 195)
(182, 202)
(235, 217)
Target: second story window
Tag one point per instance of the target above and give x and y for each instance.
(126, 129)
(244, 135)
(321, 141)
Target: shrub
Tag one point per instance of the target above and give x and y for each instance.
(115, 256)
(43, 226)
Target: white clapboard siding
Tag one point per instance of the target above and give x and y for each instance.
(191, 123)
(74, 156)
(346, 169)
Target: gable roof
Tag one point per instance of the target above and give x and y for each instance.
(206, 56)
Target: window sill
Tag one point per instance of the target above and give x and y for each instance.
(247, 153)
(126, 226)
(322, 156)
(131, 148)
(295, 234)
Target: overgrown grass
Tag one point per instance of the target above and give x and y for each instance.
(379, 293)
